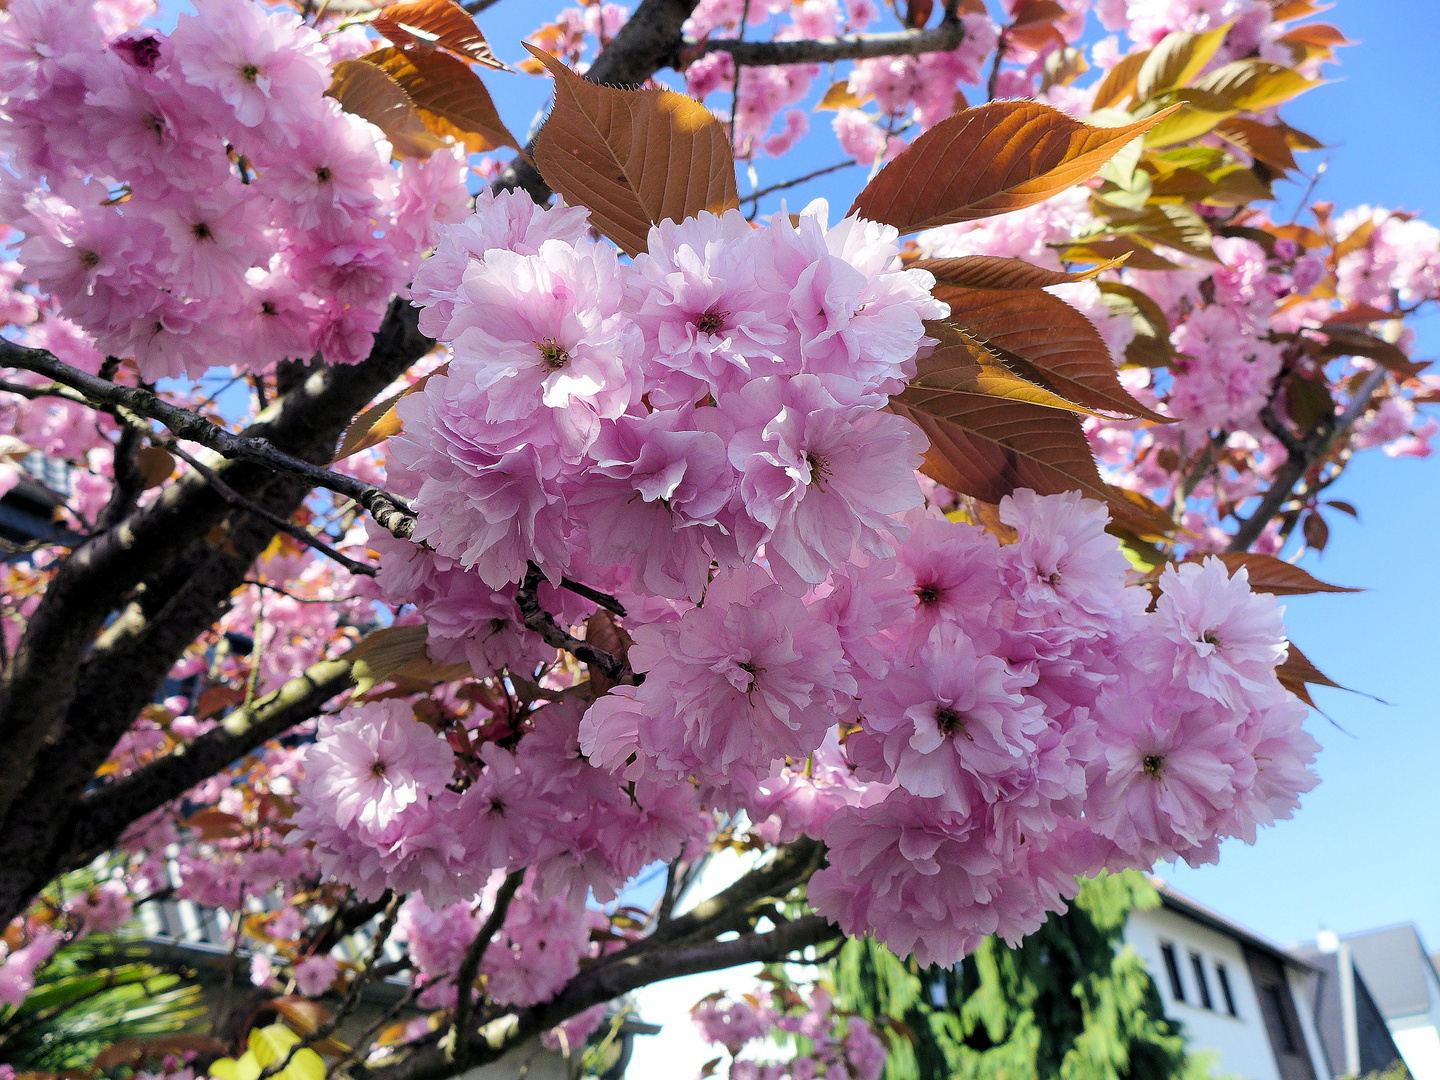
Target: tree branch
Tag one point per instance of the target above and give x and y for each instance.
(544, 624)
(99, 819)
(943, 38)
(389, 511)
(607, 979)
(1313, 449)
(459, 1037)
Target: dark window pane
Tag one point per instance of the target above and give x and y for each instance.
(1198, 966)
(1225, 989)
(1172, 969)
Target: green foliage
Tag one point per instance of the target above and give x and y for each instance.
(1071, 1003)
(92, 994)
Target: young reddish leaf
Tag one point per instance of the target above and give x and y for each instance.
(1253, 85)
(1176, 60)
(435, 24)
(917, 13)
(1360, 314)
(604, 631)
(996, 272)
(633, 157)
(1062, 344)
(1297, 671)
(213, 824)
(988, 447)
(155, 464)
(1271, 575)
(379, 422)
(1349, 340)
(1317, 532)
(450, 97)
(1119, 81)
(1344, 507)
(1035, 12)
(998, 157)
(300, 1013)
(1319, 34)
(1357, 238)
(367, 91)
(1260, 141)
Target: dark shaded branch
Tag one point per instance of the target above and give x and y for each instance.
(289, 528)
(792, 865)
(99, 819)
(607, 979)
(470, 967)
(1311, 451)
(544, 624)
(943, 38)
(389, 511)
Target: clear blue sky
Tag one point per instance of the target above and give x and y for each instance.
(1365, 848)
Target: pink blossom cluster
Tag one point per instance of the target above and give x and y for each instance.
(966, 724)
(195, 199)
(386, 802)
(839, 1046)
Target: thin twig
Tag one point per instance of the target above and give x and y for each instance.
(799, 180)
(738, 67)
(352, 996)
(389, 511)
(994, 79)
(459, 1036)
(289, 528)
(595, 596)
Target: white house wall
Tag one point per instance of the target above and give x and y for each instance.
(1418, 1037)
(1239, 1044)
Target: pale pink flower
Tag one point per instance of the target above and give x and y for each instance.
(314, 974)
(1225, 640)
(375, 762)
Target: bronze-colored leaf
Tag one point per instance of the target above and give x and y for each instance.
(1062, 344)
(1138, 254)
(1253, 85)
(998, 157)
(603, 630)
(840, 97)
(379, 422)
(1119, 82)
(1357, 238)
(435, 24)
(1176, 60)
(990, 447)
(155, 464)
(962, 366)
(633, 157)
(996, 272)
(1348, 340)
(1271, 575)
(367, 91)
(1261, 141)
(1297, 671)
(450, 97)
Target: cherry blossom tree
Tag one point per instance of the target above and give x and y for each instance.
(454, 530)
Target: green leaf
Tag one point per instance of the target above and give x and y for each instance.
(1253, 85)
(1176, 60)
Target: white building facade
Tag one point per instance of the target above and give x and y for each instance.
(1242, 999)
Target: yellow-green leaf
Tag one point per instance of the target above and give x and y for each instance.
(1119, 82)
(634, 158)
(1176, 60)
(1253, 85)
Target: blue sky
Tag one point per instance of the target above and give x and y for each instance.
(1364, 850)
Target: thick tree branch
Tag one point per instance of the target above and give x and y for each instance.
(792, 865)
(607, 979)
(943, 38)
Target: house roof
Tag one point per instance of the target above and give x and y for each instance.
(1191, 909)
(1394, 965)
